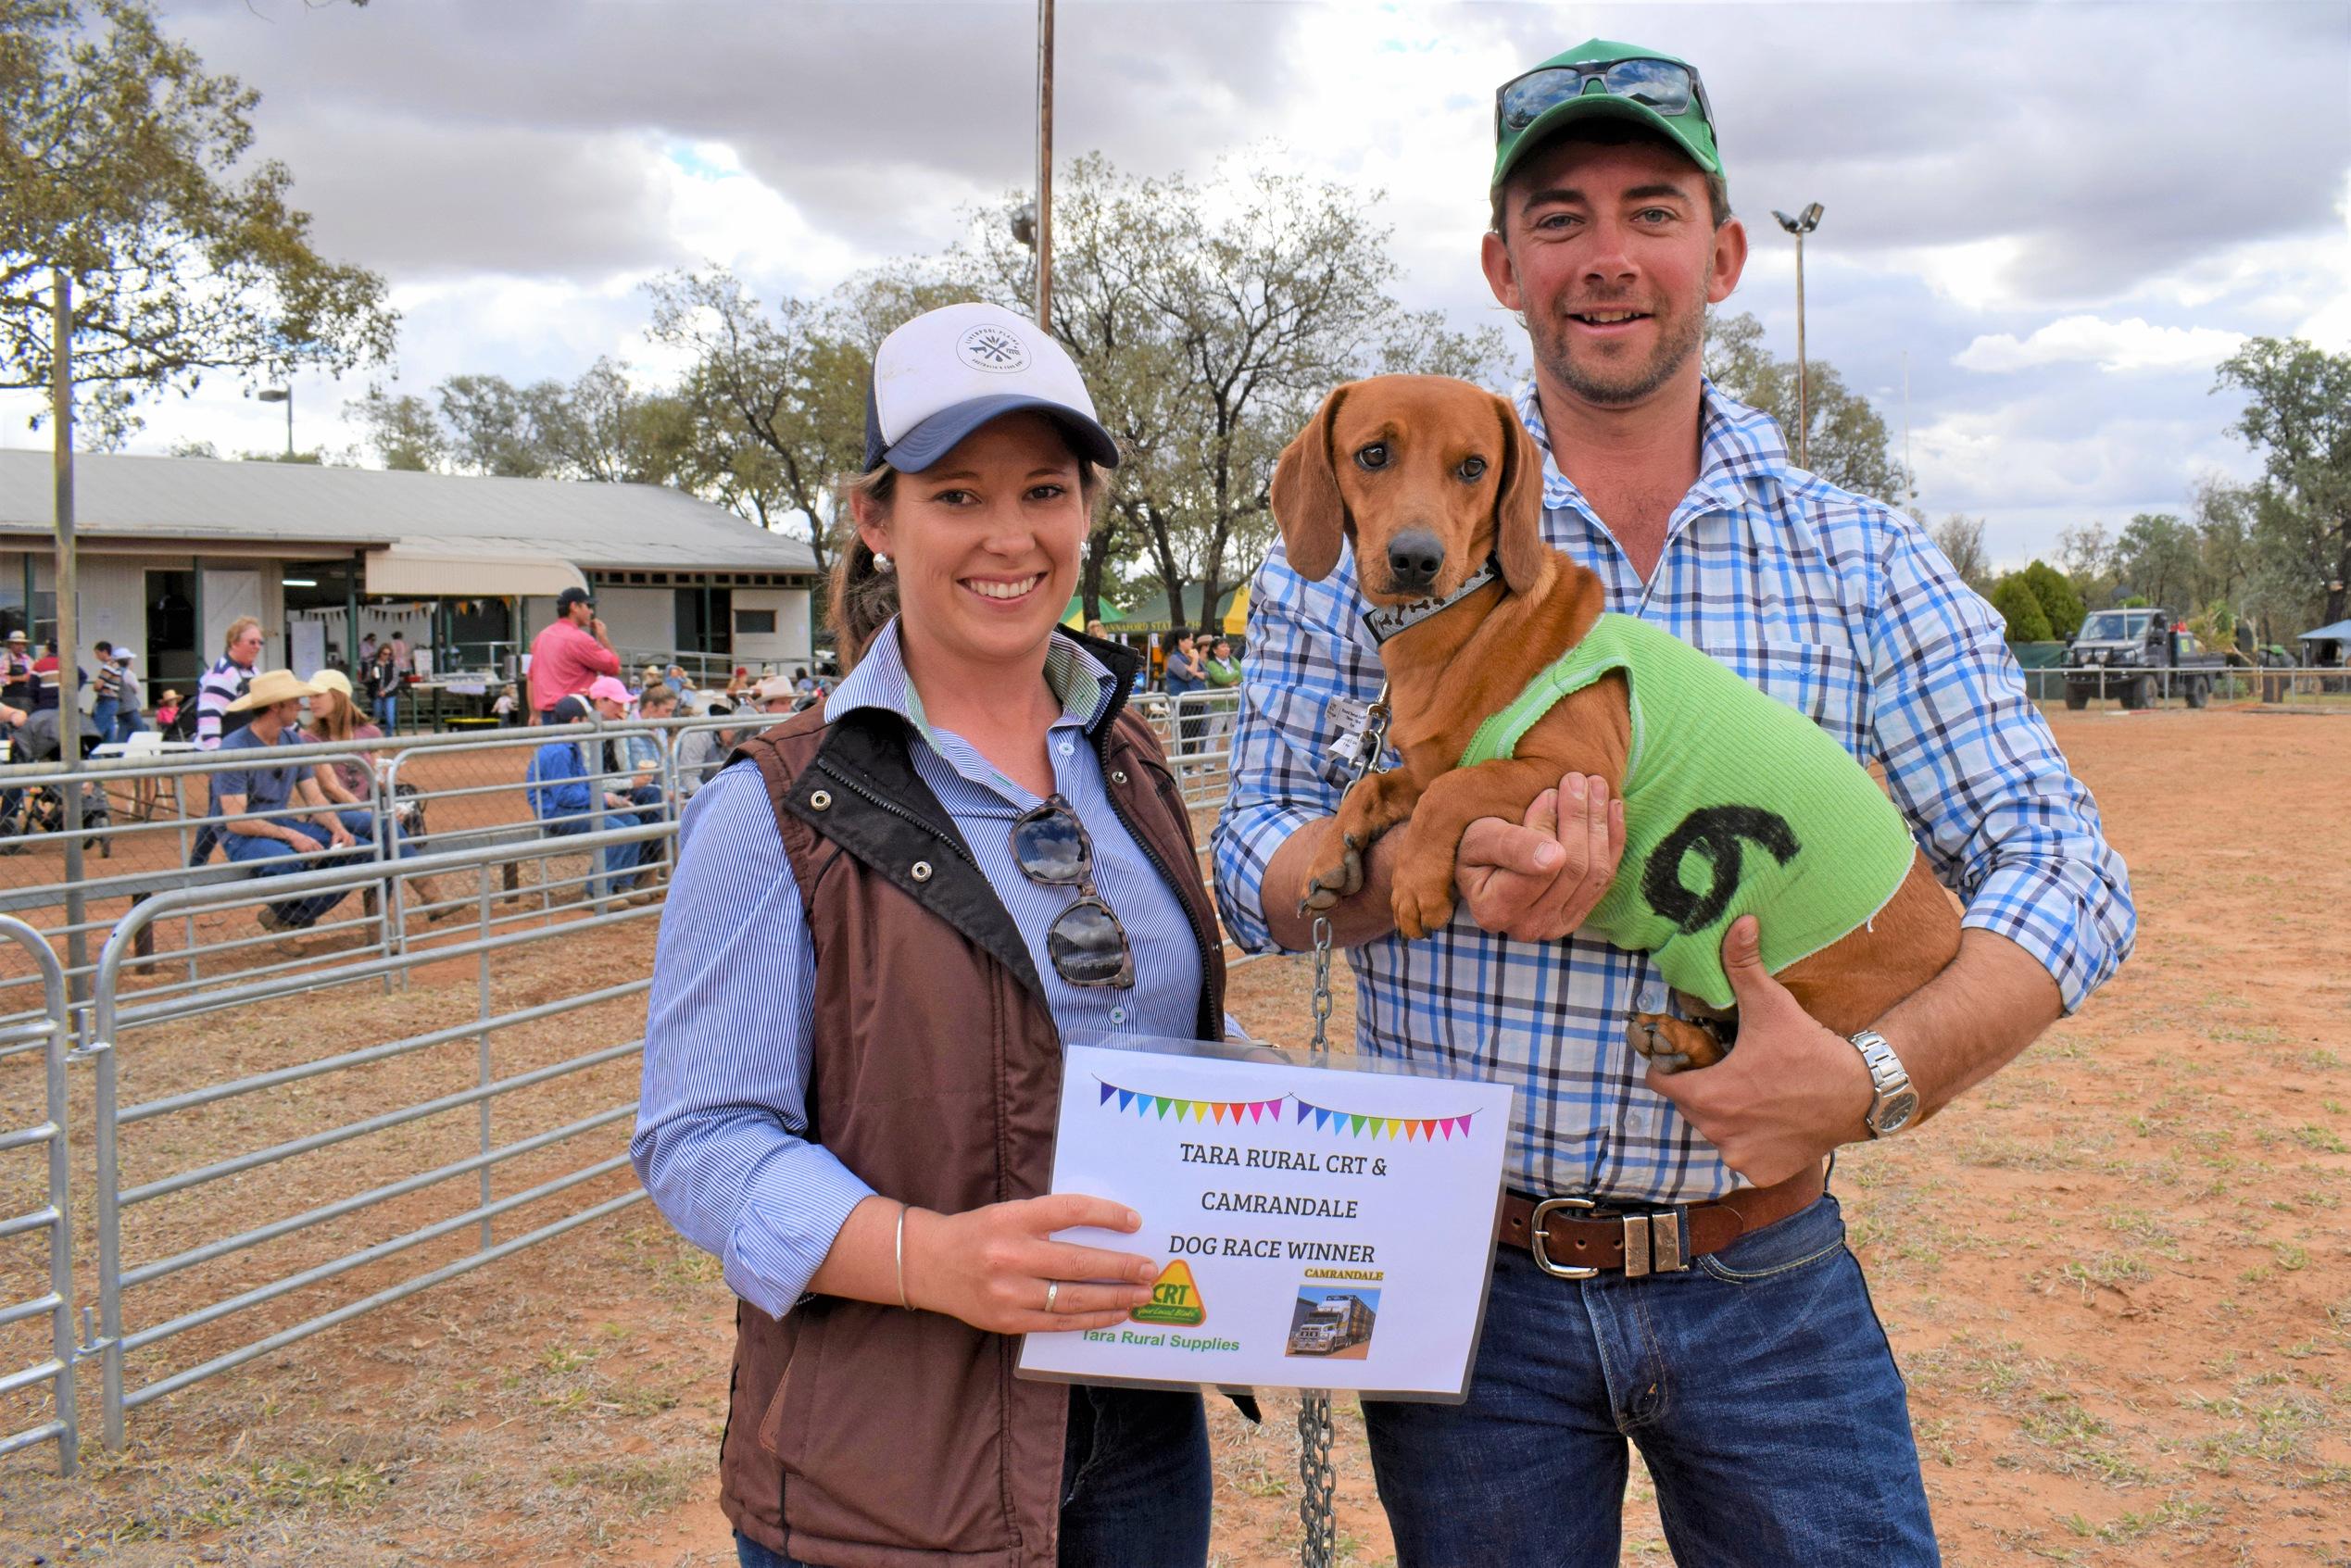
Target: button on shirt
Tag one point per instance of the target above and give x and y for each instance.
(1838, 606)
(719, 1139)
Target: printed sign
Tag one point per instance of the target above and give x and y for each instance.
(1318, 1227)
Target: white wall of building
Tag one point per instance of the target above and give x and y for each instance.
(789, 644)
(642, 618)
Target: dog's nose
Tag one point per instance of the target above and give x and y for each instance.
(1414, 558)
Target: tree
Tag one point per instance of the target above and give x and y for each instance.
(2156, 558)
(403, 431)
(121, 170)
(2298, 414)
(491, 427)
(2086, 552)
(2014, 598)
(1210, 318)
(1960, 537)
(786, 393)
(2060, 606)
(1849, 444)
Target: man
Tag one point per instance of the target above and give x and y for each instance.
(227, 679)
(569, 654)
(569, 793)
(1757, 1382)
(131, 698)
(779, 696)
(16, 672)
(105, 691)
(275, 818)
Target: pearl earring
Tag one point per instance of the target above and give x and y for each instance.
(881, 563)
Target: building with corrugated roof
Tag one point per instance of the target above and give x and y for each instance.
(173, 549)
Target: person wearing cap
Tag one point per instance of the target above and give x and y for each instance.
(569, 653)
(131, 697)
(887, 914)
(274, 819)
(584, 785)
(1742, 1354)
(16, 672)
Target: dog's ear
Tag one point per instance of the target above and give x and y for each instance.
(1307, 503)
(1518, 505)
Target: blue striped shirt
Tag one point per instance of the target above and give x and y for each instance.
(720, 1140)
(1836, 605)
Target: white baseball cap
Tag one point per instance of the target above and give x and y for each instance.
(948, 371)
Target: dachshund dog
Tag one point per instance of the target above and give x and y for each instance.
(1734, 803)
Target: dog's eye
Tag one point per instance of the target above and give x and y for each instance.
(1471, 467)
(1373, 456)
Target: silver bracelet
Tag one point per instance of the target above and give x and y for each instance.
(901, 1250)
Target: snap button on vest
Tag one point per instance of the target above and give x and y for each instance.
(919, 871)
(819, 799)
(1118, 775)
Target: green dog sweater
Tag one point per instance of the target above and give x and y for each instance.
(1735, 804)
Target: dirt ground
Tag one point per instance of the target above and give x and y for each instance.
(2118, 1277)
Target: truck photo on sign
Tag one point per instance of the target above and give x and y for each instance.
(1315, 1227)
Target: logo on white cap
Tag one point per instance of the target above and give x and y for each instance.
(990, 347)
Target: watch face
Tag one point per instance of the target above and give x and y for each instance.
(1896, 1112)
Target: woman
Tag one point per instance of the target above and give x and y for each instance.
(334, 717)
(1222, 671)
(887, 914)
(384, 685)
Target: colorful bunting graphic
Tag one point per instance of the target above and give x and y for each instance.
(1164, 1106)
(1429, 1129)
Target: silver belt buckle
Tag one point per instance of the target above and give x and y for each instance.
(1535, 1238)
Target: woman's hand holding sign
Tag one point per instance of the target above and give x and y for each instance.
(997, 1268)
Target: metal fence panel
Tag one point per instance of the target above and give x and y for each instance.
(210, 1205)
(53, 1217)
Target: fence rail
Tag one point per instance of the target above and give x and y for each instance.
(461, 865)
(54, 1218)
(2119, 682)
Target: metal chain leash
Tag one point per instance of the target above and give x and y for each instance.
(1319, 1477)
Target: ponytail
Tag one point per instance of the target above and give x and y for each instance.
(863, 595)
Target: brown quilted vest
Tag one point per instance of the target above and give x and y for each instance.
(866, 1436)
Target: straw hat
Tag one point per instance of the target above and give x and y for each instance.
(271, 688)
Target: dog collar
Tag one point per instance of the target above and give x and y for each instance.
(1385, 622)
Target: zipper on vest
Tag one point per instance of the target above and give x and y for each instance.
(897, 811)
(1135, 831)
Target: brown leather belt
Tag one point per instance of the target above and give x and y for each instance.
(1578, 1237)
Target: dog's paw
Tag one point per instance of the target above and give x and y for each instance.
(1338, 873)
(1673, 1045)
(1422, 905)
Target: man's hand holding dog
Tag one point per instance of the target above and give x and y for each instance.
(1790, 1093)
(1537, 881)
(1534, 881)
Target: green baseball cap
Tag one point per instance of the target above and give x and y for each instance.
(1618, 81)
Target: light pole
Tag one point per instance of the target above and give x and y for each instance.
(1801, 224)
(285, 393)
(1045, 164)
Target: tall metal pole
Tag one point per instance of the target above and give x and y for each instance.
(1045, 164)
(1804, 373)
(68, 632)
(289, 417)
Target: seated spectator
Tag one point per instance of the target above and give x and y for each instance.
(571, 794)
(701, 752)
(167, 714)
(335, 716)
(247, 799)
(777, 695)
(801, 680)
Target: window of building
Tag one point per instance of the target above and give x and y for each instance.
(755, 623)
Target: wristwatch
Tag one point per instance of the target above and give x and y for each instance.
(1893, 1102)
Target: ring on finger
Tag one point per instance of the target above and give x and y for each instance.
(1052, 1290)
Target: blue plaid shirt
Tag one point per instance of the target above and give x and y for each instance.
(1836, 605)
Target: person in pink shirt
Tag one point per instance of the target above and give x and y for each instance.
(568, 657)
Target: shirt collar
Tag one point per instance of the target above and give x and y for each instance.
(1737, 445)
(1083, 683)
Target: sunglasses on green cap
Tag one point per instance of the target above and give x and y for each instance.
(1618, 81)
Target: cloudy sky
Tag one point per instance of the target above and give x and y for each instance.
(2057, 218)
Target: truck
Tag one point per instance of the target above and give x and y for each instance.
(2140, 657)
(1340, 1322)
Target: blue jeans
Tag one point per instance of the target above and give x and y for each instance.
(102, 714)
(128, 722)
(387, 710)
(1758, 1384)
(619, 860)
(1134, 1483)
(274, 857)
